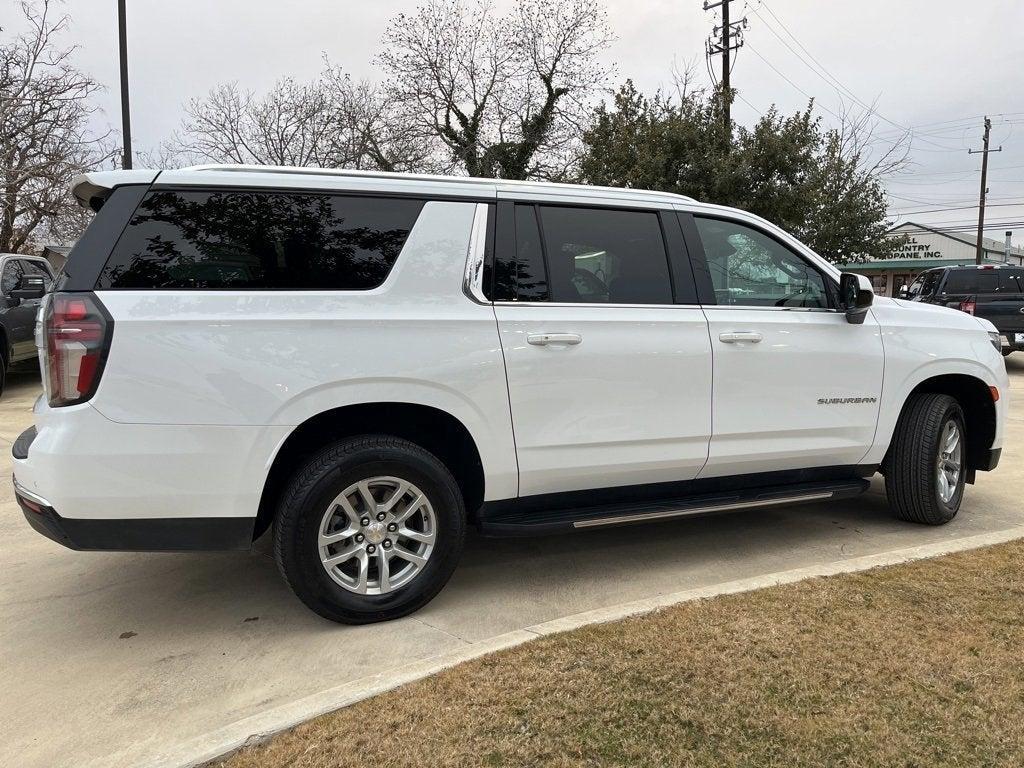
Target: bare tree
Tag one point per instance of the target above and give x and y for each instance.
(505, 95)
(287, 126)
(44, 133)
(368, 132)
(330, 122)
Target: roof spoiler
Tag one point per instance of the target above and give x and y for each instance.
(87, 186)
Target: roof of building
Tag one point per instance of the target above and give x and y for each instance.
(987, 242)
(911, 265)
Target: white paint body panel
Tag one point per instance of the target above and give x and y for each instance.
(255, 364)
(201, 388)
(922, 341)
(629, 404)
(766, 411)
(92, 467)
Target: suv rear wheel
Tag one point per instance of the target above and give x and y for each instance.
(924, 471)
(370, 529)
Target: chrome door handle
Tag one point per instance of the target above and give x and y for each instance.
(542, 339)
(731, 338)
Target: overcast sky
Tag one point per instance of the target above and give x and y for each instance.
(937, 65)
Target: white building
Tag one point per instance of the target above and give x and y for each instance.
(924, 247)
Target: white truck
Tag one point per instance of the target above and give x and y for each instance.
(363, 364)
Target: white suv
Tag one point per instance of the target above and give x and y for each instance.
(364, 364)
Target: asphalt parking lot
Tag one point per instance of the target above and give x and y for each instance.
(124, 654)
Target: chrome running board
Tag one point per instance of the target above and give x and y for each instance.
(683, 511)
(531, 516)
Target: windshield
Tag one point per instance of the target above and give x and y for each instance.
(916, 286)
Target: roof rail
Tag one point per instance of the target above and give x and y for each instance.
(468, 180)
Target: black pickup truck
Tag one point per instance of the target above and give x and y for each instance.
(994, 292)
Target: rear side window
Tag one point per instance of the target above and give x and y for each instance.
(564, 254)
(605, 256)
(1010, 281)
(237, 240)
(971, 281)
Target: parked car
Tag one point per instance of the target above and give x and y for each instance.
(363, 364)
(993, 292)
(20, 278)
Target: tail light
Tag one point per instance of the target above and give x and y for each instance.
(967, 306)
(75, 337)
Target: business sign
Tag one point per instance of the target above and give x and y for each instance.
(910, 248)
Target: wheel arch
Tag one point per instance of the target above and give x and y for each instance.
(433, 429)
(975, 398)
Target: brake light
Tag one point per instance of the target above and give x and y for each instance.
(967, 306)
(76, 333)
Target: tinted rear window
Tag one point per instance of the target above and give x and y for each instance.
(259, 240)
(1011, 281)
(971, 281)
(605, 256)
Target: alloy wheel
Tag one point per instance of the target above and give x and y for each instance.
(377, 535)
(949, 461)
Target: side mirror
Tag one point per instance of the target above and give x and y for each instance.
(903, 292)
(855, 296)
(29, 287)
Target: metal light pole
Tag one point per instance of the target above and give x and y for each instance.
(126, 117)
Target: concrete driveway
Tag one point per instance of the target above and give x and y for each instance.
(118, 654)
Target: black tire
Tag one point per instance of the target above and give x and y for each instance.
(304, 503)
(3, 371)
(911, 466)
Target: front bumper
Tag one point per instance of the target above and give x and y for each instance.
(1010, 338)
(188, 534)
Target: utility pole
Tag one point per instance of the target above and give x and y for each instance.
(126, 117)
(984, 152)
(724, 40)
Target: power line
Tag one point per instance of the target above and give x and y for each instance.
(797, 87)
(831, 80)
(819, 70)
(958, 228)
(959, 208)
(969, 121)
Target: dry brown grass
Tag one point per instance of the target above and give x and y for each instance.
(914, 665)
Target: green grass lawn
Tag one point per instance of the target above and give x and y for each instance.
(913, 665)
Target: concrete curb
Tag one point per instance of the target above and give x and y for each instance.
(251, 730)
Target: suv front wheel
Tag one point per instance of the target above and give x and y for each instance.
(925, 469)
(370, 529)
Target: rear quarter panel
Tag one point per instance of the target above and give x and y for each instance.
(276, 358)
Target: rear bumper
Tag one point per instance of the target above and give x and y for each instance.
(91, 468)
(93, 484)
(187, 534)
